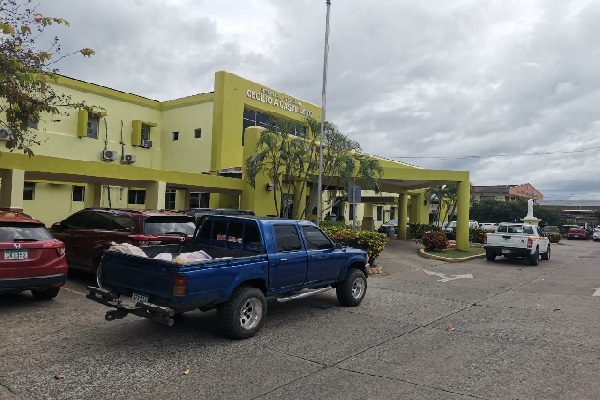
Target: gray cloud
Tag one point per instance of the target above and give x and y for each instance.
(406, 79)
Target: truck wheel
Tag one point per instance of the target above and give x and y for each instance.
(352, 289)
(243, 314)
(546, 255)
(490, 255)
(534, 258)
(47, 294)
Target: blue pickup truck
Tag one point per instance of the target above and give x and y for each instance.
(251, 258)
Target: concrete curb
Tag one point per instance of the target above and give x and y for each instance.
(452, 260)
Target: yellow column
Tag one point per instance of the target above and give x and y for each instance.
(93, 195)
(402, 214)
(155, 195)
(367, 222)
(299, 198)
(259, 199)
(182, 199)
(462, 216)
(11, 188)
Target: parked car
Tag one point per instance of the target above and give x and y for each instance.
(577, 233)
(551, 229)
(596, 234)
(89, 232)
(392, 223)
(241, 261)
(564, 229)
(31, 258)
(489, 226)
(198, 213)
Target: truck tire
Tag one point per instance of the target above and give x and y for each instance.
(490, 255)
(534, 258)
(47, 294)
(243, 314)
(352, 289)
(546, 255)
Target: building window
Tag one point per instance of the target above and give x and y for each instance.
(29, 191)
(136, 196)
(175, 135)
(93, 124)
(198, 133)
(145, 132)
(32, 122)
(256, 118)
(78, 193)
(487, 198)
(379, 213)
(170, 199)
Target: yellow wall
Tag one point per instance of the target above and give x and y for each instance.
(232, 94)
(52, 202)
(59, 132)
(188, 153)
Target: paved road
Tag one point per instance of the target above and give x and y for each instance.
(512, 331)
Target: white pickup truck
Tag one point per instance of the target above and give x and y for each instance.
(517, 240)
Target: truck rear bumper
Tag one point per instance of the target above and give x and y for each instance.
(508, 251)
(151, 311)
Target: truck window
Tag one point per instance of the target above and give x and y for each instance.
(252, 237)
(287, 238)
(205, 230)
(315, 239)
(502, 228)
(528, 229)
(235, 235)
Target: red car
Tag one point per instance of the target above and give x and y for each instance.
(31, 258)
(89, 232)
(577, 233)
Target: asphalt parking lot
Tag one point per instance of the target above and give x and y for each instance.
(427, 329)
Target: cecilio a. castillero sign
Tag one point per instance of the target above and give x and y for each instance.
(275, 99)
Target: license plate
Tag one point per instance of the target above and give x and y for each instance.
(137, 297)
(505, 251)
(15, 254)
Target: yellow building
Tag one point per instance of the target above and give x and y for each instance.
(139, 153)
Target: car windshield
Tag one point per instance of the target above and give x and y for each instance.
(168, 225)
(392, 222)
(15, 231)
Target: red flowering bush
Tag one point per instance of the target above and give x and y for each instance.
(435, 240)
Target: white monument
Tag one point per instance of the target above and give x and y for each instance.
(529, 218)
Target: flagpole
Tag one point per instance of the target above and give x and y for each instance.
(323, 113)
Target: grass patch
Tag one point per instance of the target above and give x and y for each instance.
(454, 253)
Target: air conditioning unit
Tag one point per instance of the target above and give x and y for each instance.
(109, 155)
(147, 143)
(128, 158)
(5, 134)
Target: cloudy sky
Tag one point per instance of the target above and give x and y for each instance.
(507, 89)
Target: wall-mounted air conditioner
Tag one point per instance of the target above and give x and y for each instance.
(128, 158)
(109, 155)
(147, 143)
(5, 134)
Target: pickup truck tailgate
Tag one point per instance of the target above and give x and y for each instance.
(121, 273)
(507, 240)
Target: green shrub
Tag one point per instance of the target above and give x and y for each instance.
(416, 231)
(435, 240)
(553, 237)
(372, 242)
(477, 235)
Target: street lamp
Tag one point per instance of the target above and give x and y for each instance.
(323, 113)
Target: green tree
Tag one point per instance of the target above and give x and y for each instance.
(285, 158)
(26, 72)
(446, 196)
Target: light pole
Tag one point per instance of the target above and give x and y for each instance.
(323, 112)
